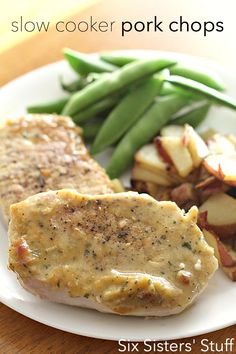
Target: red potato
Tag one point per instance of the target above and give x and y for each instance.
(149, 159)
(148, 155)
(220, 144)
(191, 139)
(174, 139)
(207, 134)
(208, 182)
(222, 166)
(173, 130)
(141, 173)
(173, 149)
(184, 195)
(211, 185)
(226, 260)
(156, 191)
(196, 146)
(162, 152)
(218, 213)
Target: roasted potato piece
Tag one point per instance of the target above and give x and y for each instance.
(220, 144)
(222, 166)
(219, 211)
(174, 151)
(156, 191)
(184, 196)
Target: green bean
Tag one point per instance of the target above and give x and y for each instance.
(113, 82)
(49, 107)
(103, 106)
(205, 91)
(97, 108)
(94, 76)
(75, 85)
(86, 63)
(126, 114)
(169, 89)
(90, 130)
(194, 116)
(119, 59)
(81, 82)
(146, 129)
(198, 74)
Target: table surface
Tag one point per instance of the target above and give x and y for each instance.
(18, 333)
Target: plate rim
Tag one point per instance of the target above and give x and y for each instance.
(114, 338)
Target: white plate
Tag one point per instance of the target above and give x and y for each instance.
(215, 309)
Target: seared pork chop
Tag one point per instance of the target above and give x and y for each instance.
(123, 253)
(45, 152)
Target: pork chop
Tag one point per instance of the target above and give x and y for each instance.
(45, 152)
(122, 253)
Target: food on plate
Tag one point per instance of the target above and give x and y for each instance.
(196, 146)
(194, 116)
(181, 157)
(149, 159)
(76, 236)
(174, 150)
(220, 213)
(84, 63)
(126, 101)
(204, 90)
(126, 114)
(222, 166)
(197, 73)
(157, 191)
(173, 131)
(116, 92)
(77, 84)
(208, 183)
(224, 252)
(90, 130)
(220, 144)
(184, 195)
(122, 253)
(210, 186)
(141, 173)
(114, 82)
(97, 109)
(43, 152)
(49, 107)
(204, 76)
(192, 141)
(145, 129)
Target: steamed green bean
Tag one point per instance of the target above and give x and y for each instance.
(202, 90)
(198, 74)
(119, 59)
(146, 129)
(75, 85)
(113, 82)
(90, 130)
(126, 113)
(194, 116)
(49, 107)
(86, 63)
(94, 110)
